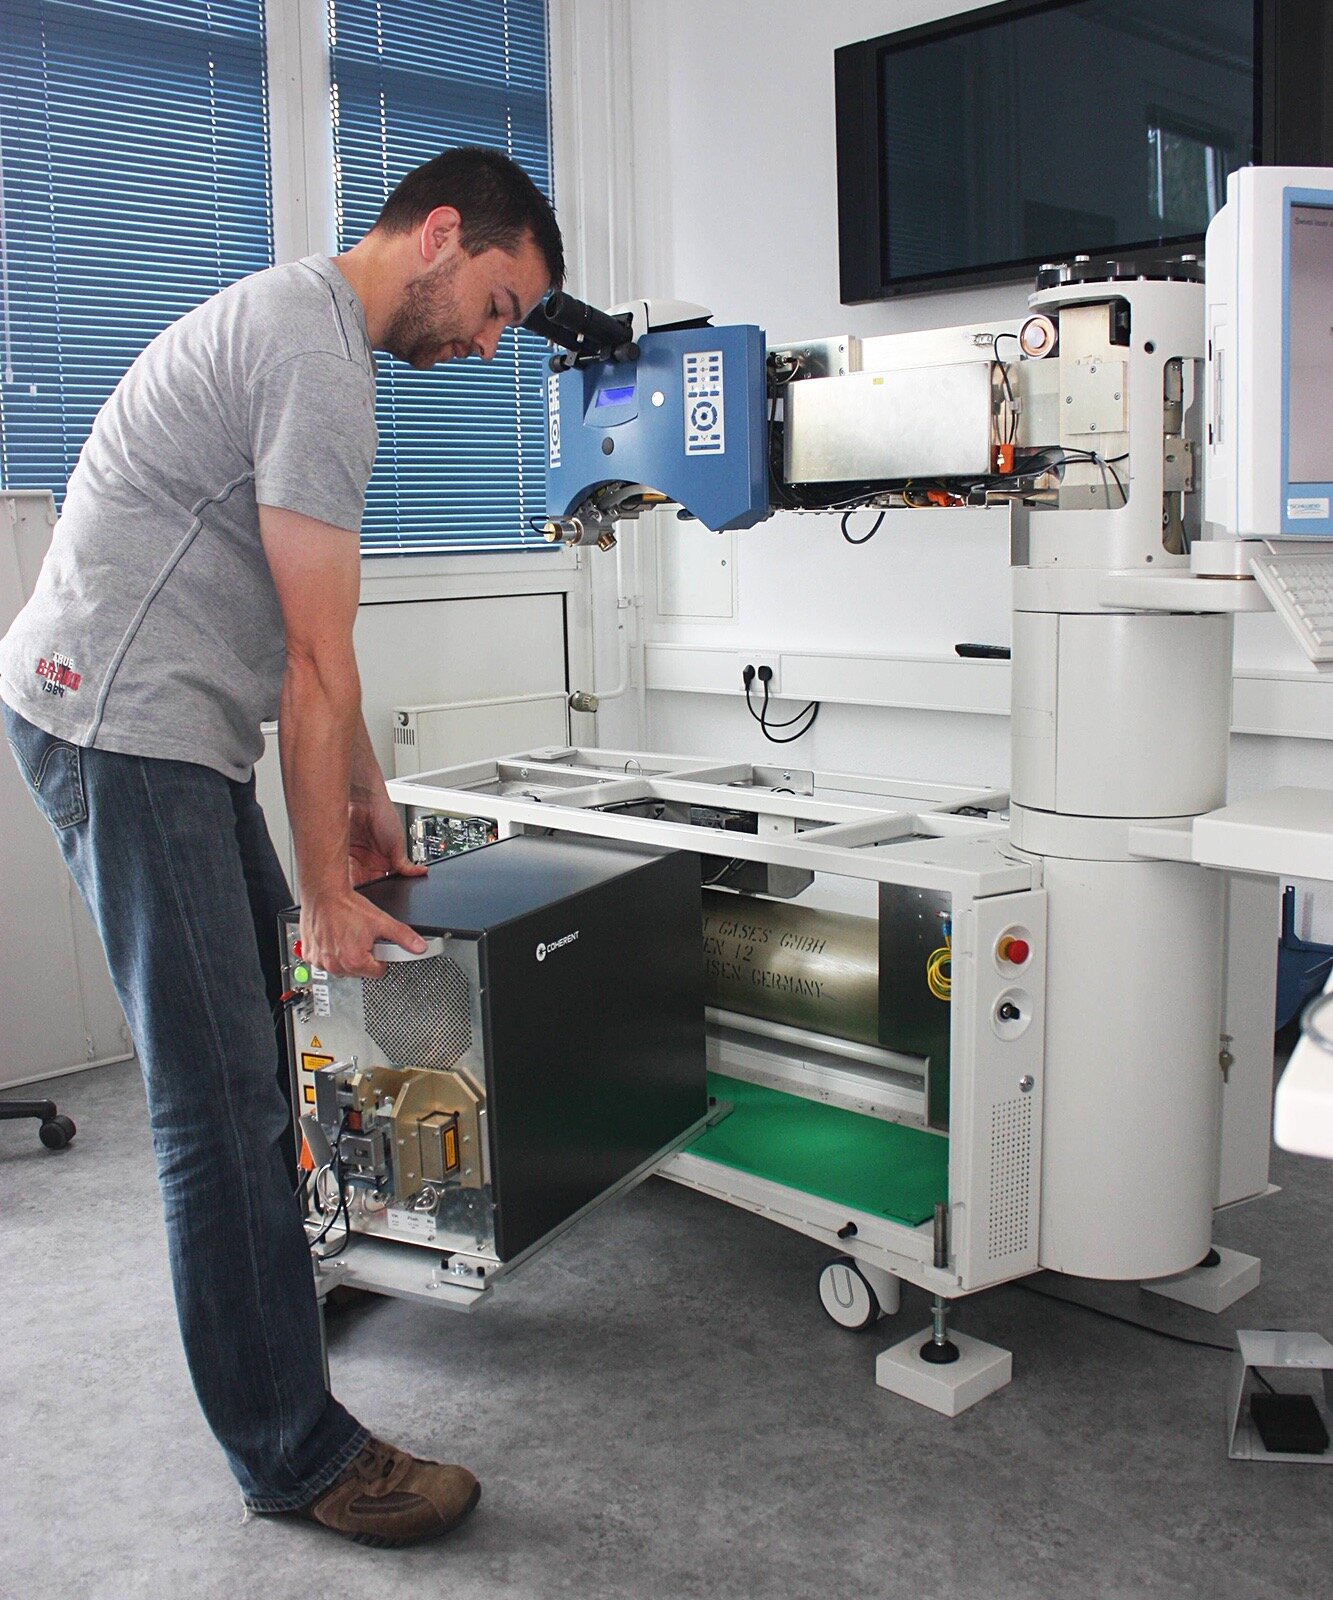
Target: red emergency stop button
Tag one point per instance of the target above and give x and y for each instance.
(297, 952)
(1014, 950)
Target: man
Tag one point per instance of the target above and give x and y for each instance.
(204, 576)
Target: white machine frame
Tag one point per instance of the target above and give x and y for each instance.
(873, 831)
(863, 830)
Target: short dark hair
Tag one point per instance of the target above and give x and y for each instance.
(496, 199)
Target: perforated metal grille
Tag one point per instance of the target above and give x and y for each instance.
(418, 1013)
(1010, 1164)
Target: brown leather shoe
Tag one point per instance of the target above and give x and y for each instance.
(387, 1497)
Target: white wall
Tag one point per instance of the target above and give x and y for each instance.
(727, 144)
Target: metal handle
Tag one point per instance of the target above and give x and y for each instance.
(385, 950)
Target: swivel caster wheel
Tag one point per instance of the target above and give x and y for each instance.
(56, 1132)
(847, 1296)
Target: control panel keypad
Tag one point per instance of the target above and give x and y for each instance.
(704, 432)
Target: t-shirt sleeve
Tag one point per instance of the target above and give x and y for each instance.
(312, 430)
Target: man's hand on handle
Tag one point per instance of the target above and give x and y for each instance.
(339, 929)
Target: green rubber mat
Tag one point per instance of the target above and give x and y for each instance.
(881, 1167)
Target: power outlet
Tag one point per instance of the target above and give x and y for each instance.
(757, 659)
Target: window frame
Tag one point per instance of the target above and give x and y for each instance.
(304, 221)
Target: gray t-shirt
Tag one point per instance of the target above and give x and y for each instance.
(154, 628)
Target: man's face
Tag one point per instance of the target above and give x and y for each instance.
(461, 304)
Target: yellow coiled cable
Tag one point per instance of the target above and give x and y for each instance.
(938, 982)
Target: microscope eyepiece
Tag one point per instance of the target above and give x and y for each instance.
(582, 328)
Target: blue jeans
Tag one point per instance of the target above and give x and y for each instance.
(177, 869)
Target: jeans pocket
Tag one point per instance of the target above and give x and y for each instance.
(52, 769)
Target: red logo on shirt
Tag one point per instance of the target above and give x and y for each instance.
(58, 675)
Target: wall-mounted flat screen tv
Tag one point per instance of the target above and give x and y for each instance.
(977, 147)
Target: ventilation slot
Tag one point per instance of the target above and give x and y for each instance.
(404, 735)
(1010, 1176)
(418, 1013)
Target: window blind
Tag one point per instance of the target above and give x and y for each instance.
(134, 164)
(462, 456)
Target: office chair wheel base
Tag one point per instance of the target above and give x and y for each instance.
(56, 1132)
(847, 1297)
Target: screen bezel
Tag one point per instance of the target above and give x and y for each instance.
(1295, 490)
(862, 224)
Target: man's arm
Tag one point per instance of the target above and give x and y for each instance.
(324, 746)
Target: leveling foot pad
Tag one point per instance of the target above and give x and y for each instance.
(1219, 1280)
(866, 1164)
(950, 1387)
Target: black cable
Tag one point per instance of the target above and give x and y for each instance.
(812, 708)
(786, 722)
(793, 737)
(1004, 378)
(337, 1249)
(1129, 1322)
(340, 1209)
(865, 538)
(284, 1003)
(330, 1217)
(761, 716)
(1033, 462)
(1106, 463)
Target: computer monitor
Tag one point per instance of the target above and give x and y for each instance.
(1269, 443)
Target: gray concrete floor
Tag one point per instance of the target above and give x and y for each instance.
(657, 1407)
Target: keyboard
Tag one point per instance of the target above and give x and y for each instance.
(1298, 580)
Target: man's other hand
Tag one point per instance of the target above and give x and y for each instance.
(375, 843)
(339, 929)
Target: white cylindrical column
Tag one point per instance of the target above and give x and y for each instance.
(1132, 1080)
(1121, 714)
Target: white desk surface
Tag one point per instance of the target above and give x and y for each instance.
(1286, 832)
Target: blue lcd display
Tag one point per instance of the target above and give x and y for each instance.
(615, 397)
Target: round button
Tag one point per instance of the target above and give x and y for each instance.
(297, 950)
(1015, 950)
(301, 974)
(704, 415)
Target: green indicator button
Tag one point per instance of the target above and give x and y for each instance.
(301, 973)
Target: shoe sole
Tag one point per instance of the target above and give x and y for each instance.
(384, 1541)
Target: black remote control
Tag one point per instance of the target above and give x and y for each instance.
(983, 652)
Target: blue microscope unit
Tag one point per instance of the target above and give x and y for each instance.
(686, 419)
